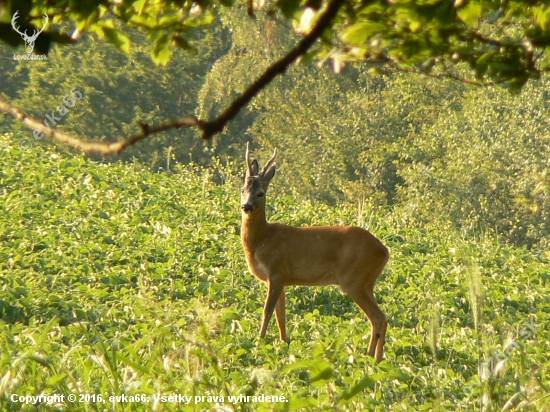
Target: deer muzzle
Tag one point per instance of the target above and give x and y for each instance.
(247, 208)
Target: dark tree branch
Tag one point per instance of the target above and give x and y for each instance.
(209, 128)
(104, 148)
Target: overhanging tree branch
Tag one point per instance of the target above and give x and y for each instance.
(104, 148)
(209, 128)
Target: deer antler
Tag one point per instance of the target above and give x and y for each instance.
(269, 163)
(247, 158)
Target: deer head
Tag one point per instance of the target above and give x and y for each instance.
(29, 40)
(256, 182)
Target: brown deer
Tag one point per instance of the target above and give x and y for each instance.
(284, 255)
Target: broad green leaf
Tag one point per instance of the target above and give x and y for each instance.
(365, 382)
(203, 20)
(471, 13)
(359, 33)
(324, 375)
(542, 16)
(146, 20)
(162, 52)
(119, 39)
(168, 20)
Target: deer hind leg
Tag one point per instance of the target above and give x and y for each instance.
(365, 299)
(273, 294)
(381, 341)
(280, 315)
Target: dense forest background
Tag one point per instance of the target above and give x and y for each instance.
(432, 148)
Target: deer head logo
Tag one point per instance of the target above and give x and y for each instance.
(29, 40)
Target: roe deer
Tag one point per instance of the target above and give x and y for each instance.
(284, 255)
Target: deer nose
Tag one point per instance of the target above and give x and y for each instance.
(247, 208)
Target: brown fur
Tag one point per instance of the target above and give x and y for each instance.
(283, 255)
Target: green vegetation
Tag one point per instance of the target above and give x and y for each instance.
(126, 277)
(477, 156)
(505, 41)
(117, 280)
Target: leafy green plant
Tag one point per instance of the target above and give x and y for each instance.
(121, 282)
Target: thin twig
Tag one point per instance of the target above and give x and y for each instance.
(393, 66)
(450, 76)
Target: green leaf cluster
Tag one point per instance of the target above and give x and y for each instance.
(118, 280)
(500, 41)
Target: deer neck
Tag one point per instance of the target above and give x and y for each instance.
(254, 225)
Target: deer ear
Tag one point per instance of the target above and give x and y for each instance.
(253, 171)
(254, 167)
(268, 174)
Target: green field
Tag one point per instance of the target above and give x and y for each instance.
(120, 282)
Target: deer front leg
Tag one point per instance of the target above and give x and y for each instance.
(273, 294)
(281, 316)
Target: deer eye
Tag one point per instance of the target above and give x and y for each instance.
(261, 194)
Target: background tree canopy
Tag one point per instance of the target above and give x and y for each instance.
(501, 40)
(378, 130)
